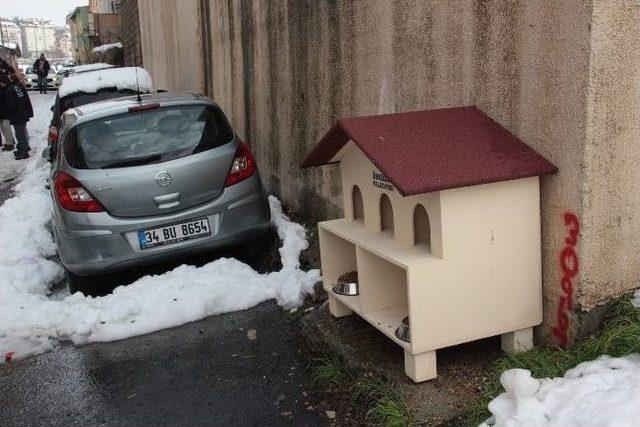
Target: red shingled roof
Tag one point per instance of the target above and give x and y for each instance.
(426, 151)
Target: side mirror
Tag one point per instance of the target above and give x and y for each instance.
(52, 108)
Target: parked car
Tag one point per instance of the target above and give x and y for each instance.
(91, 83)
(77, 69)
(53, 79)
(156, 178)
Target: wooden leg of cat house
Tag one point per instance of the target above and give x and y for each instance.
(516, 341)
(420, 367)
(338, 309)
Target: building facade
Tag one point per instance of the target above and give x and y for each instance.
(81, 26)
(11, 34)
(562, 76)
(106, 20)
(94, 25)
(37, 37)
(105, 6)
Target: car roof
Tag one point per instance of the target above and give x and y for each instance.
(134, 78)
(84, 68)
(122, 104)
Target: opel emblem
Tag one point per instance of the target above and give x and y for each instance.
(163, 178)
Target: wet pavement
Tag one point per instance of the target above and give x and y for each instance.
(5, 189)
(209, 372)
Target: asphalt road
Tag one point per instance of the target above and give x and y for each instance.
(203, 373)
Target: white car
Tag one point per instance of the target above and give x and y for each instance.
(53, 79)
(76, 69)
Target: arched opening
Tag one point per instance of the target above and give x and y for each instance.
(358, 204)
(386, 215)
(421, 227)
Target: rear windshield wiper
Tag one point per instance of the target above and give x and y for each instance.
(133, 162)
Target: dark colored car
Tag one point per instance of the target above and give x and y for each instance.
(79, 98)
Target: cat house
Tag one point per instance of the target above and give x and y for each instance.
(440, 240)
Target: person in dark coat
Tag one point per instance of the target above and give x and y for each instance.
(41, 68)
(16, 106)
(5, 126)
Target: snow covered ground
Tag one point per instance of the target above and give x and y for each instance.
(31, 323)
(602, 392)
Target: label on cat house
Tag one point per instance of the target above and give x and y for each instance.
(381, 181)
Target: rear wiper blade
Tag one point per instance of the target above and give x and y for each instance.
(133, 162)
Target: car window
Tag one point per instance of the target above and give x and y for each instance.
(146, 137)
(80, 98)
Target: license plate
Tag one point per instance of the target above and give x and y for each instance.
(175, 233)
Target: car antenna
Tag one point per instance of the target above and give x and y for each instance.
(139, 99)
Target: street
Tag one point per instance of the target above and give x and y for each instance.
(203, 373)
(240, 368)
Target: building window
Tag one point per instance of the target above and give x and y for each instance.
(358, 204)
(421, 227)
(386, 215)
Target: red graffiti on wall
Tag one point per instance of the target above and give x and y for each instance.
(569, 267)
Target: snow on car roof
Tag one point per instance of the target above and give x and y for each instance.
(120, 78)
(89, 67)
(106, 47)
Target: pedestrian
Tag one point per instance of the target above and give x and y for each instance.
(16, 106)
(5, 126)
(41, 68)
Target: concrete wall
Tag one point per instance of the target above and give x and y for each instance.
(285, 70)
(610, 241)
(171, 43)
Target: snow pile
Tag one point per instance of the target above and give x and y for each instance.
(89, 67)
(602, 392)
(121, 78)
(106, 47)
(30, 322)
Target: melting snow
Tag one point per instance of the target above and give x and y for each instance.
(89, 67)
(602, 392)
(31, 323)
(121, 78)
(106, 47)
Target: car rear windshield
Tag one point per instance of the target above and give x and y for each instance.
(145, 137)
(81, 98)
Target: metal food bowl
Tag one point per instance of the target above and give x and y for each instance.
(346, 288)
(403, 332)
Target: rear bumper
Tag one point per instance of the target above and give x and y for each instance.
(98, 243)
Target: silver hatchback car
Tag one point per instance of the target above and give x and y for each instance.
(142, 180)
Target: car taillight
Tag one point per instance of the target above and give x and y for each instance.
(243, 166)
(73, 196)
(53, 134)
